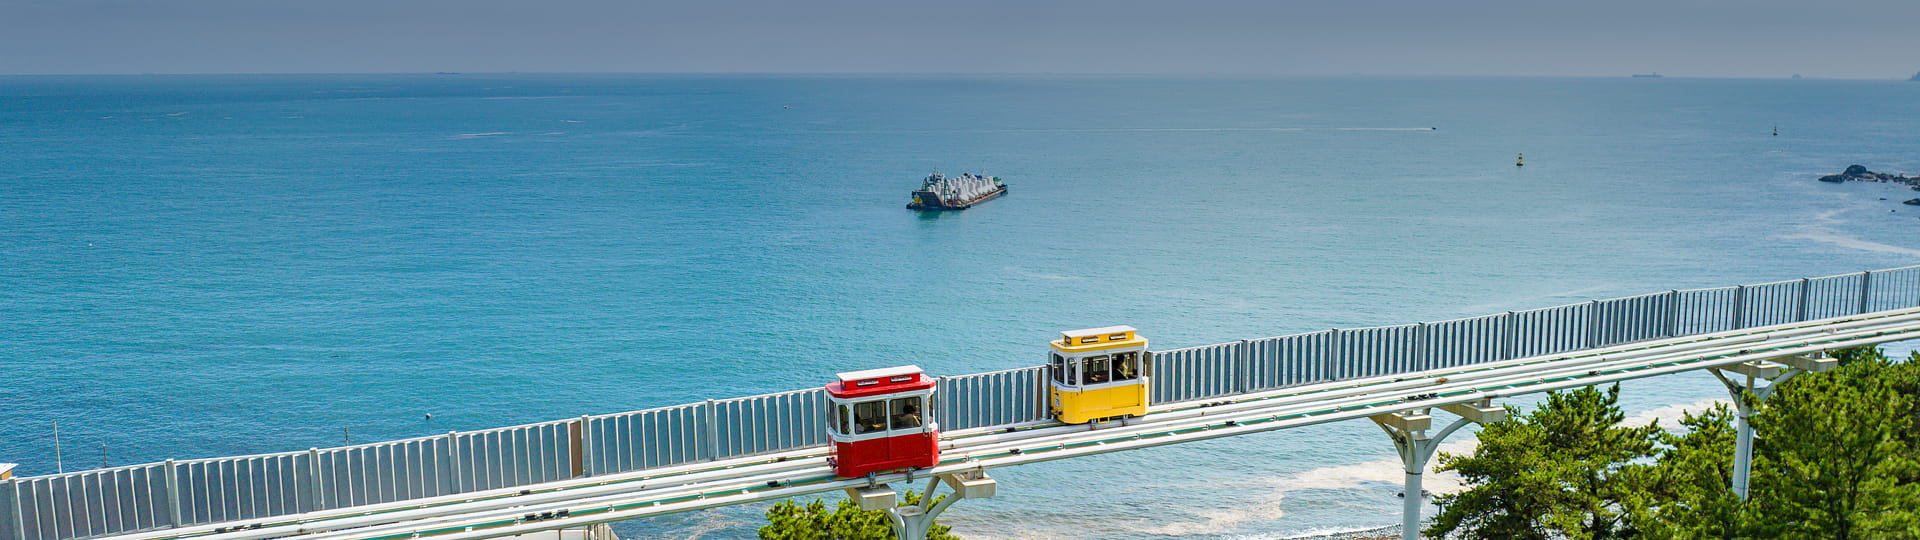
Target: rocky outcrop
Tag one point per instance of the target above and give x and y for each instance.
(1858, 173)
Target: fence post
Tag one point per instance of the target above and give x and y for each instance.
(1866, 289)
(454, 462)
(1673, 313)
(1510, 341)
(173, 493)
(586, 445)
(1800, 305)
(313, 481)
(19, 517)
(1333, 354)
(1421, 357)
(1243, 367)
(1740, 306)
(1593, 323)
(713, 431)
(1042, 396)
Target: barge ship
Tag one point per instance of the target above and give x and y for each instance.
(939, 192)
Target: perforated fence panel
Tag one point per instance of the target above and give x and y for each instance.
(1194, 373)
(1291, 360)
(991, 399)
(1548, 331)
(1894, 289)
(645, 439)
(1833, 296)
(1634, 318)
(772, 423)
(1463, 341)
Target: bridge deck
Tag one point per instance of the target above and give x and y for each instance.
(680, 489)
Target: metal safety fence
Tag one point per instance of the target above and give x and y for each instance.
(189, 492)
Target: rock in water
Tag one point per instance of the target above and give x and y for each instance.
(1914, 202)
(1859, 173)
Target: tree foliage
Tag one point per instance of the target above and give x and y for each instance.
(1836, 456)
(1553, 473)
(788, 520)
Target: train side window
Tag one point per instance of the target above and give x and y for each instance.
(1096, 369)
(906, 412)
(1060, 369)
(1126, 366)
(844, 423)
(869, 416)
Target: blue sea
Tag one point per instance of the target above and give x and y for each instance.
(196, 266)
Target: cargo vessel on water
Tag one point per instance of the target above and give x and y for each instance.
(940, 192)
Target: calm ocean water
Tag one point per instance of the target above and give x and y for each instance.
(209, 265)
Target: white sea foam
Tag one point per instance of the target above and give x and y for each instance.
(1822, 230)
(479, 135)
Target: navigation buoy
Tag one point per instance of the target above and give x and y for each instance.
(1520, 161)
(1776, 131)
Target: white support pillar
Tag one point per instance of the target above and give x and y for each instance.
(1408, 430)
(1744, 384)
(914, 522)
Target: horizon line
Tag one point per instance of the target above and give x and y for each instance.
(955, 74)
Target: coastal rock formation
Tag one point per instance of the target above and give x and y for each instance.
(1858, 173)
(1916, 77)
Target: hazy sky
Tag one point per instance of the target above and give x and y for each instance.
(1717, 38)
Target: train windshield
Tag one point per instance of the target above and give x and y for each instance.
(1060, 369)
(1126, 366)
(869, 417)
(906, 412)
(843, 424)
(1096, 369)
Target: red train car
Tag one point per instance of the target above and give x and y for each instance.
(882, 420)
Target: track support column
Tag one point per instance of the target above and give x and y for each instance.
(914, 522)
(1744, 383)
(1408, 430)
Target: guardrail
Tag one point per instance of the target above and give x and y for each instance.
(190, 492)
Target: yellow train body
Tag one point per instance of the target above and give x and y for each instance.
(1098, 373)
(1080, 407)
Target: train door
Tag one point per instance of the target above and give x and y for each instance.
(870, 424)
(907, 417)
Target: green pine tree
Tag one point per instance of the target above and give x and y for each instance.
(788, 520)
(1834, 454)
(1561, 471)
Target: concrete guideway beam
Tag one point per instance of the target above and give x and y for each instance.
(1408, 429)
(1751, 384)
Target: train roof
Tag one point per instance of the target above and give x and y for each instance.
(880, 373)
(1098, 331)
(871, 382)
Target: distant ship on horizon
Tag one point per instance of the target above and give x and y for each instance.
(1648, 76)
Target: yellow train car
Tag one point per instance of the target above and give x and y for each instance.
(1098, 373)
